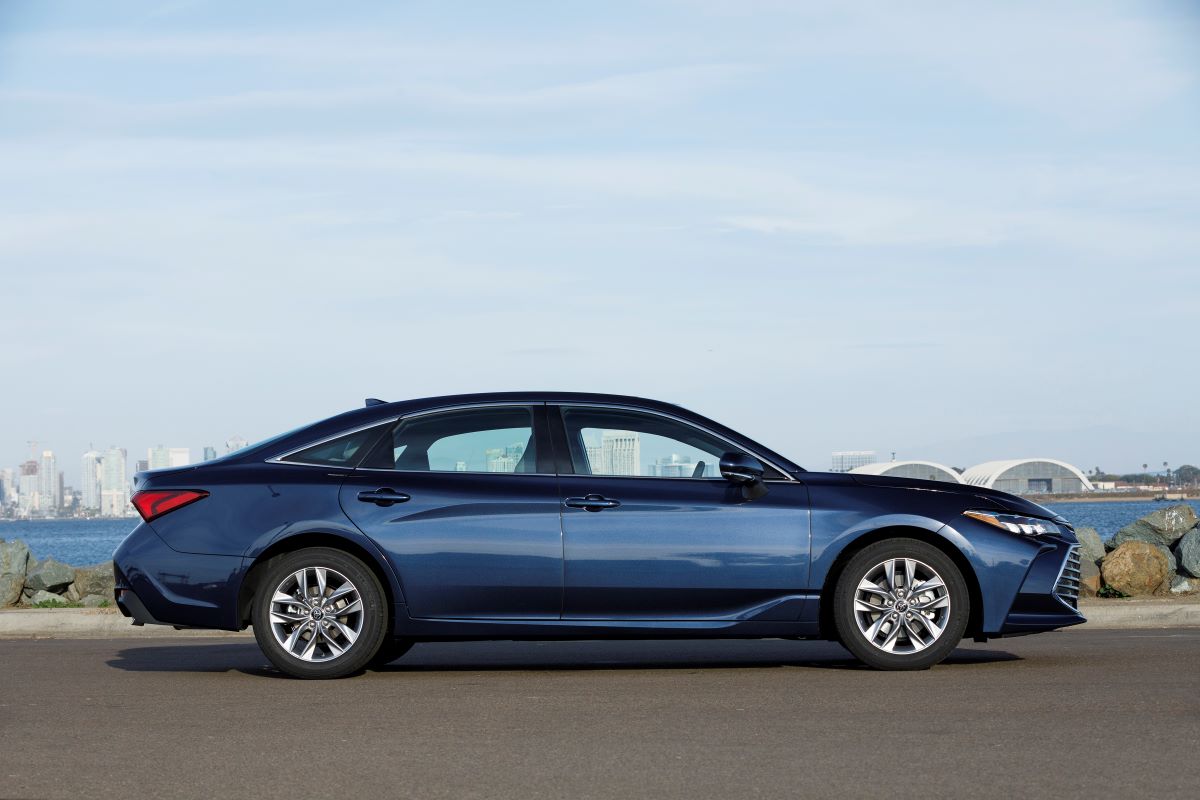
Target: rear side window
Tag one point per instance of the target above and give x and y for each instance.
(471, 440)
(344, 451)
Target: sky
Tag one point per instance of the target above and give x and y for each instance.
(960, 232)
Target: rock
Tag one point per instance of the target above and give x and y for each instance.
(1172, 564)
(97, 579)
(72, 593)
(1135, 568)
(96, 601)
(1089, 578)
(1165, 527)
(1180, 585)
(51, 575)
(1187, 550)
(42, 596)
(14, 562)
(1091, 546)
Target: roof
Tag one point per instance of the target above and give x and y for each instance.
(987, 473)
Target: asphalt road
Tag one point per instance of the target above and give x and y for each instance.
(1074, 714)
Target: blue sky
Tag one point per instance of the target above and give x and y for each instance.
(957, 231)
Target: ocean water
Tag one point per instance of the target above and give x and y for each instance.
(78, 542)
(89, 541)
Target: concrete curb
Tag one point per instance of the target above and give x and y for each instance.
(86, 623)
(1117, 614)
(107, 623)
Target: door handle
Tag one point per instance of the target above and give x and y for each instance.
(383, 497)
(593, 502)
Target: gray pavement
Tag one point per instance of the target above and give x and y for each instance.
(1076, 713)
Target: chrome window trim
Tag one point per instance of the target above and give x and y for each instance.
(787, 477)
(279, 458)
(615, 407)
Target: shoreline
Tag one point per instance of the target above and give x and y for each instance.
(1105, 497)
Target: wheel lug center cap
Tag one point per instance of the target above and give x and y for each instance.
(317, 614)
(902, 606)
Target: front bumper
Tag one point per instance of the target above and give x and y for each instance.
(156, 585)
(1049, 596)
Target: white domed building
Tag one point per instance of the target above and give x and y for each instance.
(1029, 476)
(921, 470)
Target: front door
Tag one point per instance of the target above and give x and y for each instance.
(465, 505)
(651, 530)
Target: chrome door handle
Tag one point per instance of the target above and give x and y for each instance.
(383, 497)
(593, 502)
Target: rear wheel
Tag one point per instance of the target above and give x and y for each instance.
(320, 613)
(901, 604)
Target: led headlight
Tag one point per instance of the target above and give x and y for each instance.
(1014, 523)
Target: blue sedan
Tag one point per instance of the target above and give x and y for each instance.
(576, 516)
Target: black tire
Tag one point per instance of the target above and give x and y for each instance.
(374, 614)
(389, 651)
(952, 620)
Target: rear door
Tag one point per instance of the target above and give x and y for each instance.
(465, 504)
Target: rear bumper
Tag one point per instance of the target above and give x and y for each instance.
(156, 585)
(1049, 597)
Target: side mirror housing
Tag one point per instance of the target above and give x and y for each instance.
(745, 471)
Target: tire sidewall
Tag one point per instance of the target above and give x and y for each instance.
(862, 562)
(375, 613)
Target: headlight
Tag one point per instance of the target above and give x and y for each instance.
(1014, 523)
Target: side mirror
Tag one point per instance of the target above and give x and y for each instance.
(745, 471)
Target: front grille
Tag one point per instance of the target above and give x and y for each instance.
(1067, 588)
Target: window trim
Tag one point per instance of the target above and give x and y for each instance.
(566, 458)
(279, 459)
(538, 424)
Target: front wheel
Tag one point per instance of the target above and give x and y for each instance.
(320, 613)
(901, 604)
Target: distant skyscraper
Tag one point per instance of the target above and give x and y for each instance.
(158, 457)
(48, 486)
(677, 466)
(8, 487)
(89, 489)
(179, 456)
(846, 460)
(210, 453)
(114, 484)
(622, 453)
(234, 443)
(28, 495)
(141, 465)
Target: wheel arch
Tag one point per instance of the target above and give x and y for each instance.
(281, 547)
(974, 621)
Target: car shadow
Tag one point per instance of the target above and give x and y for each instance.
(543, 656)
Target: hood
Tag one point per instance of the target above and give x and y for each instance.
(988, 498)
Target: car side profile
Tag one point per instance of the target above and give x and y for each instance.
(554, 515)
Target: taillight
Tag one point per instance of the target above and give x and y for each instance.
(153, 503)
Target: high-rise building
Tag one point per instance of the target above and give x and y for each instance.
(621, 453)
(89, 488)
(234, 443)
(28, 489)
(158, 457)
(846, 460)
(48, 487)
(677, 466)
(141, 465)
(179, 456)
(209, 453)
(8, 487)
(114, 484)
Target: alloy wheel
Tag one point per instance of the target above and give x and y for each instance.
(316, 614)
(902, 606)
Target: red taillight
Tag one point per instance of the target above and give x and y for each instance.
(153, 503)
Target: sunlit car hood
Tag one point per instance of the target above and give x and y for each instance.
(987, 497)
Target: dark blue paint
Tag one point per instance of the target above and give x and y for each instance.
(477, 555)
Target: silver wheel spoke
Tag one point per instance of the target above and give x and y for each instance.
(914, 607)
(330, 633)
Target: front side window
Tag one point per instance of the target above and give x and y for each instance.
(472, 440)
(631, 443)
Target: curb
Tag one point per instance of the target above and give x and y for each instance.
(1118, 614)
(95, 623)
(87, 623)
